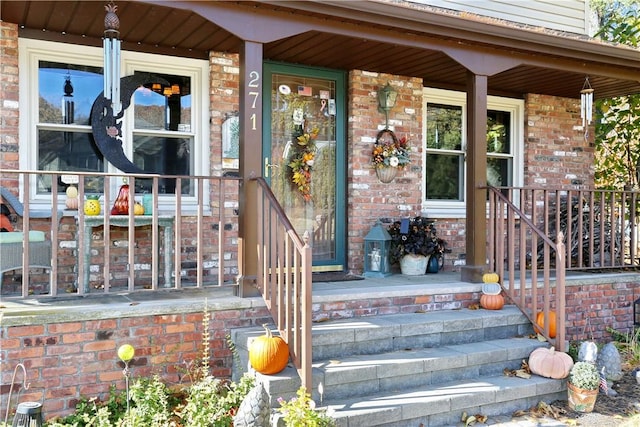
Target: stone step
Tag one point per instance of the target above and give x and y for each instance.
(444, 404)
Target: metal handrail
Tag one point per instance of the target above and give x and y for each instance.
(513, 240)
(284, 279)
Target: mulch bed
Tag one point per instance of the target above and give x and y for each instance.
(609, 411)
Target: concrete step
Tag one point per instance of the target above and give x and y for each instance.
(414, 368)
(443, 404)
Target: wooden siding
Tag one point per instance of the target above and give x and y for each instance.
(567, 15)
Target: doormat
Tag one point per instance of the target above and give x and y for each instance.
(334, 276)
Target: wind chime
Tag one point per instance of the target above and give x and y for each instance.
(586, 106)
(111, 45)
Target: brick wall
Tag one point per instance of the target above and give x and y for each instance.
(557, 154)
(68, 360)
(9, 114)
(368, 198)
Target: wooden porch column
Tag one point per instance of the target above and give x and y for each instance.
(250, 165)
(476, 218)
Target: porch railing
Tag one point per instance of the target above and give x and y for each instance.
(284, 279)
(514, 239)
(184, 242)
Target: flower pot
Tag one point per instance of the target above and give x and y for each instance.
(413, 265)
(581, 400)
(386, 175)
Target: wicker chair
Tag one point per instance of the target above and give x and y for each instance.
(11, 243)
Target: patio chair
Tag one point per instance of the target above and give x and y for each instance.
(11, 243)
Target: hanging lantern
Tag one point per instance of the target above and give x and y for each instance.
(586, 103)
(111, 46)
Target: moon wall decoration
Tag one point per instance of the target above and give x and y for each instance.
(107, 129)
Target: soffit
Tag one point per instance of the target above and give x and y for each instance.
(366, 35)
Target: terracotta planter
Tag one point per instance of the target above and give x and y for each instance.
(581, 400)
(413, 265)
(386, 175)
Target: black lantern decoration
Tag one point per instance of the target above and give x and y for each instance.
(386, 100)
(376, 252)
(636, 312)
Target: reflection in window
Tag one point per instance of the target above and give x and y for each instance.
(161, 109)
(66, 93)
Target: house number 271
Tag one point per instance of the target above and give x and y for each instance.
(254, 82)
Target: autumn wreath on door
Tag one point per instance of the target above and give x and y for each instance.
(301, 158)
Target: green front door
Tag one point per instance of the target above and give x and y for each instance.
(304, 155)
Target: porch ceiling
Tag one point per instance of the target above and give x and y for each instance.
(406, 44)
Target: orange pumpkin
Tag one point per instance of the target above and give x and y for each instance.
(268, 354)
(491, 302)
(552, 323)
(549, 363)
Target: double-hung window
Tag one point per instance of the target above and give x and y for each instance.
(445, 150)
(164, 130)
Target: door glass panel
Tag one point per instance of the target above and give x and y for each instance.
(302, 172)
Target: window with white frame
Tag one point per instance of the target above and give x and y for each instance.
(163, 131)
(445, 146)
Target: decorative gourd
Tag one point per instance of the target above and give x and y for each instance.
(490, 278)
(549, 363)
(491, 302)
(71, 203)
(92, 205)
(268, 354)
(138, 209)
(121, 205)
(552, 323)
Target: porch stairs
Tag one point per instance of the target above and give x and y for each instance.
(407, 370)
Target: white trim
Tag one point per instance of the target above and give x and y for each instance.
(457, 209)
(32, 51)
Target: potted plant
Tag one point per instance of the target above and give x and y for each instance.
(415, 246)
(582, 387)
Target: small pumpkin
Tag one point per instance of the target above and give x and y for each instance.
(71, 203)
(268, 354)
(549, 363)
(490, 278)
(492, 302)
(552, 323)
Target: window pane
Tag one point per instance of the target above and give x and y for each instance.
(66, 92)
(498, 132)
(161, 106)
(444, 127)
(68, 151)
(444, 177)
(165, 156)
(499, 172)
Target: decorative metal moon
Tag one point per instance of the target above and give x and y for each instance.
(107, 129)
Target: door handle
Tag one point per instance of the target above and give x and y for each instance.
(268, 166)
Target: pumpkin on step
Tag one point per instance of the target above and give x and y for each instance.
(549, 363)
(540, 323)
(268, 354)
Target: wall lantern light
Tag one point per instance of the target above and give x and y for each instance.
(636, 312)
(386, 101)
(376, 252)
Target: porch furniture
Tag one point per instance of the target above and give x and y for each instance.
(166, 222)
(17, 206)
(11, 248)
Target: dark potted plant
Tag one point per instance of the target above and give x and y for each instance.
(414, 243)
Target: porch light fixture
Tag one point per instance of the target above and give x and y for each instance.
(636, 312)
(376, 252)
(111, 47)
(586, 103)
(386, 101)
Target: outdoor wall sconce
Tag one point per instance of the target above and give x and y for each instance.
(386, 101)
(376, 252)
(636, 312)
